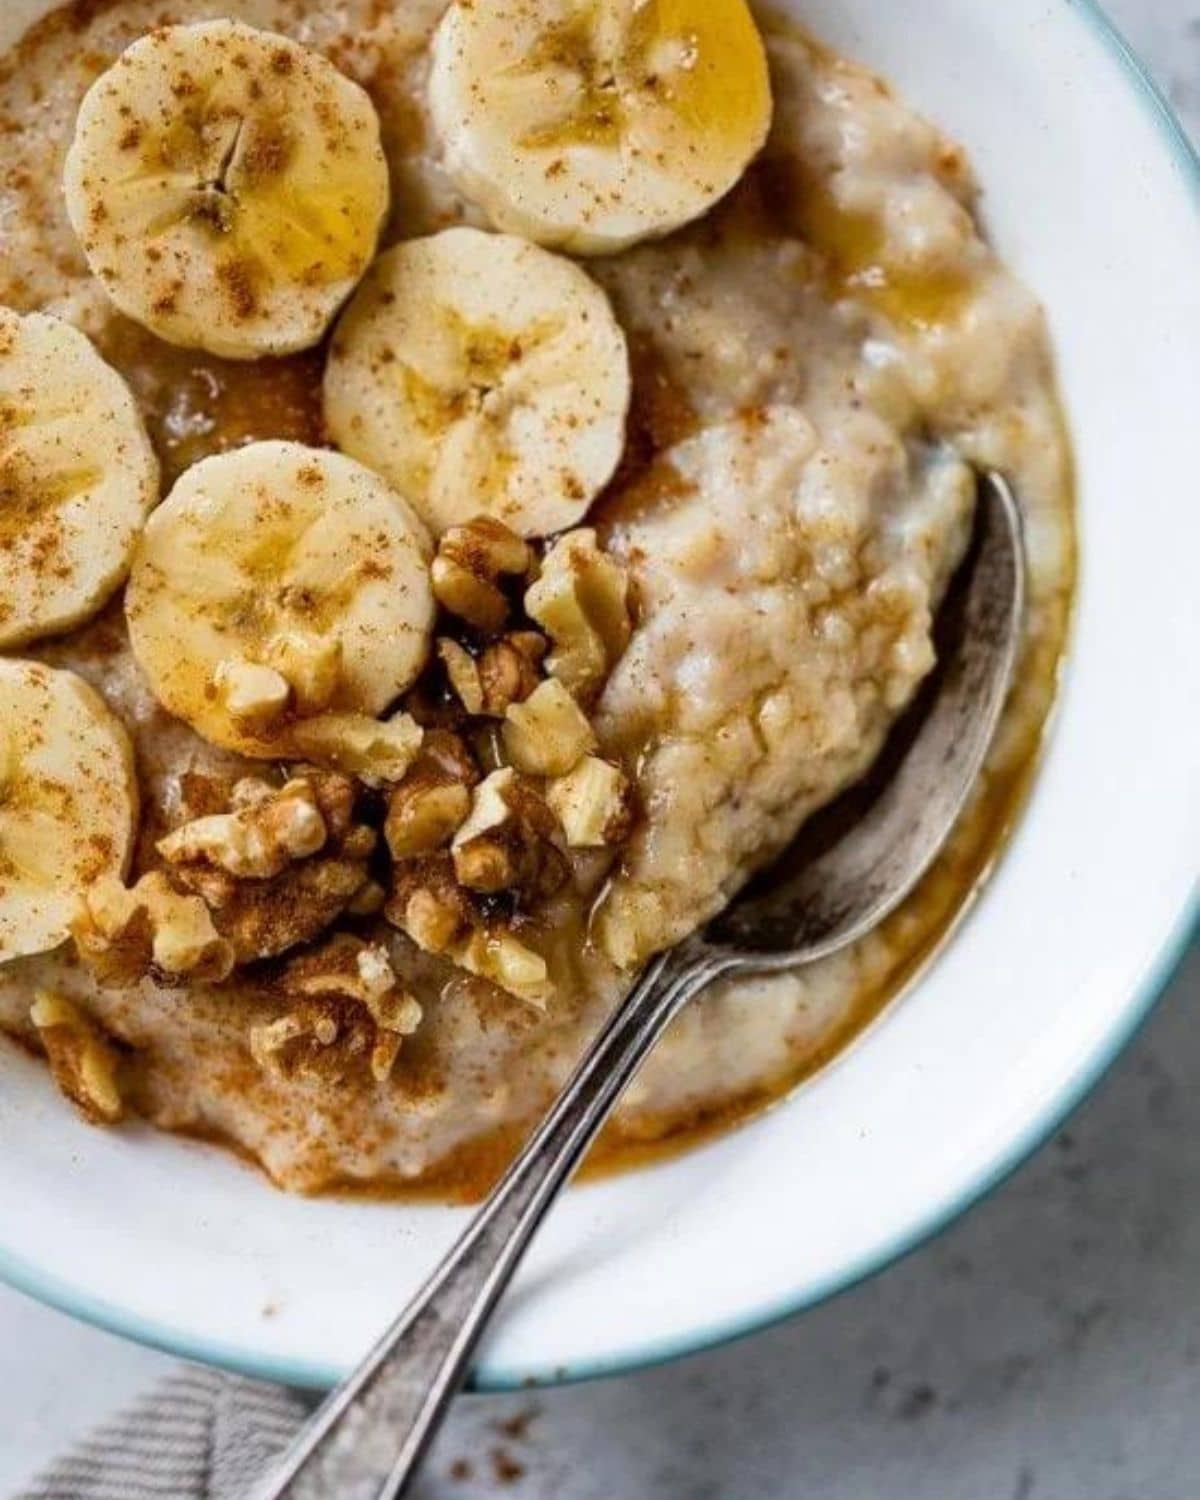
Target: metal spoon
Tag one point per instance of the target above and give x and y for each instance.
(368, 1438)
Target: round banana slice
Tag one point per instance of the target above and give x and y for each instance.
(591, 124)
(78, 477)
(68, 802)
(274, 582)
(481, 374)
(227, 186)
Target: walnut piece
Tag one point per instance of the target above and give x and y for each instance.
(594, 804)
(124, 933)
(429, 905)
(508, 671)
(82, 1059)
(368, 902)
(548, 734)
(581, 600)
(501, 958)
(346, 1004)
(508, 842)
(469, 564)
(267, 915)
(462, 671)
(376, 751)
(271, 829)
(505, 672)
(430, 804)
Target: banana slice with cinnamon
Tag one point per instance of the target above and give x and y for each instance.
(482, 375)
(227, 186)
(591, 124)
(278, 593)
(68, 803)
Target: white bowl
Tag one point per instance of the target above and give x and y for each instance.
(1092, 196)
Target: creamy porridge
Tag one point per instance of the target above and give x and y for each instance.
(368, 958)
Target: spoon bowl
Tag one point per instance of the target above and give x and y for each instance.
(853, 864)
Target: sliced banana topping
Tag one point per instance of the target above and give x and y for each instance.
(277, 582)
(227, 186)
(591, 124)
(68, 803)
(480, 373)
(77, 477)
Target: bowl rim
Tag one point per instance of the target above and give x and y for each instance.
(25, 1277)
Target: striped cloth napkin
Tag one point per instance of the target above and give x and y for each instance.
(200, 1435)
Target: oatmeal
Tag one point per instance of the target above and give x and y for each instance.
(438, 775)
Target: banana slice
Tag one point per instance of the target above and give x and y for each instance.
(274, 582)
(227, 186)
(68, 803)
(591, 124)
(78, 477)
(481, 374)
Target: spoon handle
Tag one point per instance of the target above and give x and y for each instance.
(368, 1437)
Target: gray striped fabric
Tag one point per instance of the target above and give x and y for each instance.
(200, 1435)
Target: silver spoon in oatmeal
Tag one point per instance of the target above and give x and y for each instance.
(368, 1438)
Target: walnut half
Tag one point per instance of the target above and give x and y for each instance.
(377, 752)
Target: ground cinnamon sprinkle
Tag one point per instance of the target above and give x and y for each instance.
(505, 1468)
(236, 278)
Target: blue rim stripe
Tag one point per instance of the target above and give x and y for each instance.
(27, 1278)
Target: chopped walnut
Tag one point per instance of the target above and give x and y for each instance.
(256, 697)
(271, 829)
(548, 734)
(429, 905)
(124, 934)
(348, 1004)
(82, 1059)
(310, 664)
(508, 671)
(462, 672)
(489, 806)
(423, 816)
(501, 958)
(508, 842)
(581, 600)
(434, 910)
(505, 672)
(265, 916)
(432, 801)
(377, 751)
(470, 561)
(594, 804)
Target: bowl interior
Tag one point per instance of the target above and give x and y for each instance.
(1093, 199)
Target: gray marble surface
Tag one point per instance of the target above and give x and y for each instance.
(1046, 1348)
